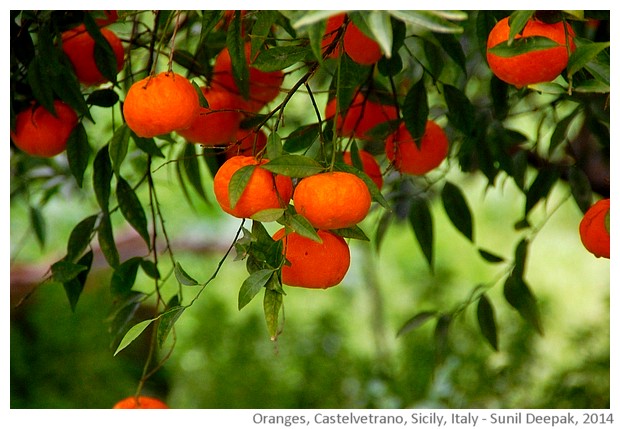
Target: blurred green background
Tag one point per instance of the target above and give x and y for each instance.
(338, 348)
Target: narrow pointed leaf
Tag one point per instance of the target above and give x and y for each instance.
(102, 176)
(37, 221)
(452, 46)
(182, 276)
(540, 187)
(380, 26)
(132, 209)
(106, 240)
(302, 226)
(191, 167)
(118, 147)
(441, 338)
(274, 145)
(293, 166)
(580, 187)
(281, 57)
(102, 98)
(415, 110)
(583, 55)
(517, 22)
(238, 182)
(456, 208)
(461, 112)
(252, 285)
(421, 221)
(167, 321)
(80, 237)
(520, 297)
(75, 286)
(133, 333)
(416, 321)
(124, 277)
(272, 303)
(436, 21)
(78, 152)
(63, 271)
(490, 257)
(236, 48)
(486, 320)
(523, 45)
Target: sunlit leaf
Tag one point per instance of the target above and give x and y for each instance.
(182, 276)
(238, 181)
(584, 53)
(437, 21)
(252, 285)
(272, 302)
(293, 166)
(132, 334)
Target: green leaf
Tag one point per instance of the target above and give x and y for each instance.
(523, 45)
(167, 320)
(124, 276)
(150, 269)
(580, 188)
(252, 285)
(293, 166)
(37, 221)
(302, 138)
(63, 271)
(457, 209)
(147, 145)
(560, 133)
(38, 79)
(106, 240)
(192, 169)
(583, 55)
(80, 237)
(263, 24)
(441, 337)
(132, 334)
(281, 57)
(520, 297)
(316, 32)
(274, 145)
(517, 22)
(452, 46)
(131, 208)
(182, 276)
(348, 80)
(382, 227)
(236, 47)
(312, 17)
(272, 302)
(302, 226)
(75, 286)
(118, 147)
(105, 59)
(436, 21)
(102, 98)
(520, 258)
(78, 152)
(421, 221)
(415, 111)
(416, 321)
(461, 112)
(490, 257)
(238, 182)
(486, 320)
(124, 310)
(354, 232)
(375, 192)
(268, 215)
(102, 176)
(540, 187)
(380, 26)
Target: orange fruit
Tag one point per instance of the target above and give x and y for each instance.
(369, 164)
(402, 151)
(332, 200)
(40, 133)
(361, 48)
(263, 191)
(593, 229)
(531, 67)
(247, 142)
(264, 86)
(79, 46)
(218, 123)
(314, 265)
(160, 104)
(361, 117)
(141, 402)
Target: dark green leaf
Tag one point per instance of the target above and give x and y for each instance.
(520, 297)
(517, 22)
(75, 286)
(452, 46)
(236, 47)
(580, 187)
(390, 66)
(191, 167)
(124, 276)
(301, 226)
(415, 111)
(540, 187)
(382, 227)
(238, 182)
(281, 57)
(39, 81)
(375, 192)
(118, 147)
(106, 240)
(78, 152)
(354, 232)
(486, 320)
(80, 237)
(182, 276)
(252, 285)
(583, 55)
(132, 334)
(522, 45)
(316, 31)
(102, 98)
(272, 303)
(499, 94)
(131, 208)
(102, 176)
(167, 321)
(274, 145)
(457, 209)
(441, 337)
(350, 77)
(63, 271)
(416, 321)
(460, 110)
(421, 221)
(520, 258)
(265, 19)
(561, 131)
(37, 221)
(147, 145)
(105, 59)
(150, 269)
(490, 257)
(302, 138)
(293, 166)
(125, 308)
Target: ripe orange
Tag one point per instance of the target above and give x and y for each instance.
(161, 104)
(332, 200)
(39, 133)
(361, 117)
(141, 402)
(79, 46)
(370, 165)
(531, 67)
(247, 142)
(402, 151)
(263, 191)
(264, 86)
(314, 265)
(593, 229)
(361, 48)
(218, 123)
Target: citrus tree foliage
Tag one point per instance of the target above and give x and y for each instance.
(433, 66)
